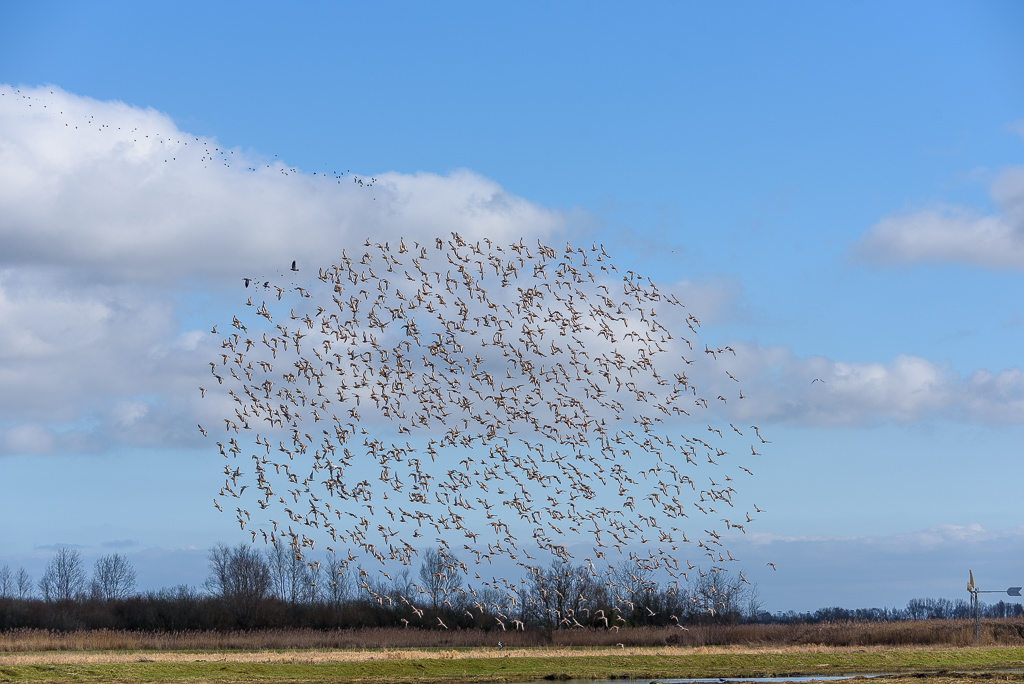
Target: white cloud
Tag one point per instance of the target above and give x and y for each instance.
(779, 386)
(27, 438)
(67, 347)
(128, 413)
(128, 196)
(111, 217)
(954, 233)
(103, 240)
(711, 300)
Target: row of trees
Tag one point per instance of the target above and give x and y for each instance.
(247, 588)
(562, 596)
(65, 579)
(916, 609)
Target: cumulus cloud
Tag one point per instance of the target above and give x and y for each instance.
(112, 220)
(954, 233)
(780, 386)
(85, 366)
(121, 192)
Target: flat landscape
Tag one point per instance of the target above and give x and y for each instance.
(511, 664)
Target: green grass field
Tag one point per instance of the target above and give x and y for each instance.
(474, 665)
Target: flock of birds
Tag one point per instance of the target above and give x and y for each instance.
(514, 401)
(492, 401)
(171, 149)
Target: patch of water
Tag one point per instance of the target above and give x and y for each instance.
(761, 680)
(766, 680)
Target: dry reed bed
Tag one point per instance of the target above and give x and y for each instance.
(317, 656)
(925, 633)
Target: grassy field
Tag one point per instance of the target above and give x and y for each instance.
(377, 666)
(940, 651)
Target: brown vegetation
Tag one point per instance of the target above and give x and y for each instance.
(920, 633)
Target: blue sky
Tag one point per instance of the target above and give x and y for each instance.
(836, 190)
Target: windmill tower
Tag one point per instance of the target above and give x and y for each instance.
(974, 604)
(975, 608)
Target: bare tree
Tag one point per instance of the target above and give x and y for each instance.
(315, 590)
(402, 585)
(113, 578)
(338, 586)
(721, 597)
(64, 577)
(754, 604)
(23, 584)
(290, 577)
(6, 582)
(636, 591)
(441, 574)
(560, 596)
(241, 578)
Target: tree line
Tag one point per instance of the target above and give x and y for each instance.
(275, 588)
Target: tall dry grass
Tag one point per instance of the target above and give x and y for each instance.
(925, 633)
